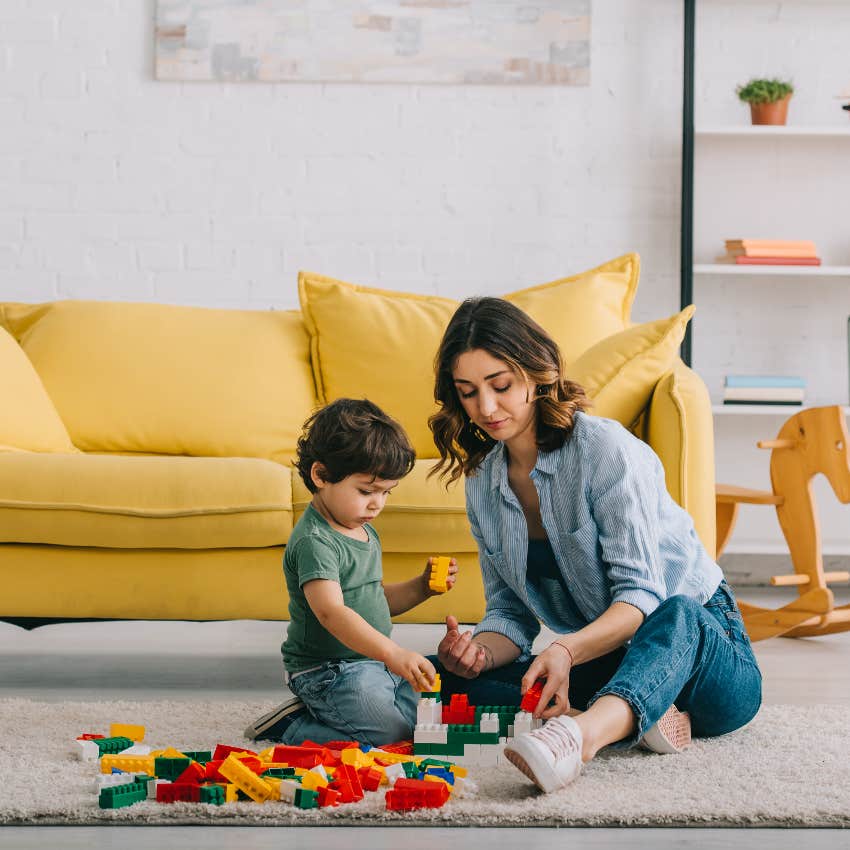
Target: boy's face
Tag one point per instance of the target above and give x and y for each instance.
(355, 500)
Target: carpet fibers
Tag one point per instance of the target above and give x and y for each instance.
(787, 768)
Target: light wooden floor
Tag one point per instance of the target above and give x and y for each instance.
(226, 660)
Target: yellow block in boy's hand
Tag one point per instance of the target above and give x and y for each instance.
(439, 573)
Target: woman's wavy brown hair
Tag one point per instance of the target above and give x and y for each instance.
(507, 333)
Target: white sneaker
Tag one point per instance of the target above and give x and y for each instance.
(671, 734)
(549, 756)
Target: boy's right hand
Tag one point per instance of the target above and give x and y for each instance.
(413, 667)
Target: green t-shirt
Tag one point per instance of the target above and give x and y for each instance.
(315, 551)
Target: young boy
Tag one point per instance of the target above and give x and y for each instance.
(349, 680)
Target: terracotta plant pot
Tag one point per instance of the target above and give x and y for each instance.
(770, 113)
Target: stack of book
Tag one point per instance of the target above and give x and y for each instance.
(770, 252)
(764, 389)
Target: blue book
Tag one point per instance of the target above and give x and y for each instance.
(764, 381)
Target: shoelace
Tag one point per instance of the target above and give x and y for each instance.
(558, 738)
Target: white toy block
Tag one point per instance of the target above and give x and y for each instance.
(109, 780)
(288, 789)
(320, 770)
(152, 786)
(137, 750)
(489, 723)
(490, 754)
(431, 733)
(393, 772)
(510, 731)
(88, 751)
(522, 723)
(429, 710)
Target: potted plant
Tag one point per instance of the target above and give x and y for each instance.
(768, 100)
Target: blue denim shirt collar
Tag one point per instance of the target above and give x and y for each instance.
(547, 463)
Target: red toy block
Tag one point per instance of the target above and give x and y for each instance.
(222, 751)
(532, 696)
(192, 775)
(175, 792)
(416, 794)
(459, 710)
(328, 797)
(335, 745)
(301, 756)
(253, 763)
(370, 778)
(89, 736)
(347, 783)
(211, 770)
(401, 748)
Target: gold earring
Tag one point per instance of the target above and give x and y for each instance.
(479, 434)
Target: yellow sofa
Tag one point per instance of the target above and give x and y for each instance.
(145, 449)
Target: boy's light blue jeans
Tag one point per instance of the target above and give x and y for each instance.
(697, 657)
(353, 701)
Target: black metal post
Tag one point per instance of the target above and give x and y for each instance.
(686, 252)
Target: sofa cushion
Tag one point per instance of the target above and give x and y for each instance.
(620, 372)
(144, 502)
(28, 418)
(381, 344)
(161, 379)
(420, 514)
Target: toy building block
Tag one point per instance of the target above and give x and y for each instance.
(174, 792)
(356, 758)
(201, 756)
(394, 772)
(130, 764)
(127, 730)
(222, 751)
(193, 775)
(119, 796)
(91, 749)
(312, 781)
(87, 749)
(90, 736)
(430, 733)
(523, 723)
(370, 778)
(245, 779)
(212, 794)
(327, 797)
(459, 710)
(287, 790)
(417, 794)
(429, 710)
(439, 573)
(305, 799)
(110, 780)
(301, 756)
(168, 768)
(532, 696)
(489, 723)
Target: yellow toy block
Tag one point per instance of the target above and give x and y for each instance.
(274, 784)
(171, 753)
(357, 758)
(311, 781)
(457, 770)
(390, 758)
(266, 754)
(127, 730)
(244, 779)
(439, 573)
(437, 683)
(429, 777)
(129, 764)
(231, 793)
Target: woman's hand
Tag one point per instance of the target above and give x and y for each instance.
(459, 654)
(451, 578)
(554, 665)
(416, 668)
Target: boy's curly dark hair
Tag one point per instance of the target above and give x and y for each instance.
(350, 436)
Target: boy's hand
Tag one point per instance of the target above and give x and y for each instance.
(413, 667)
(451, 578)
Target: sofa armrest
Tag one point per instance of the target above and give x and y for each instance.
(680, 428)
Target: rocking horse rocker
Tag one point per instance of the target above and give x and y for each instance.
(810, 442)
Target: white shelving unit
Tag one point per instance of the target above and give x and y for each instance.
(767, 271)
(764, 131)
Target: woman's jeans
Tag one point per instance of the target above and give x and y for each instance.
(352, 701)
(697, 657)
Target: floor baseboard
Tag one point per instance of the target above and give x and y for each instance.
(755, 570)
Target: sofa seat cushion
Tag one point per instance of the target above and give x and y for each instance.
(144, 502)
(419, 516)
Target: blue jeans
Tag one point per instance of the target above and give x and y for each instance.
(697, 657)
(353, 701)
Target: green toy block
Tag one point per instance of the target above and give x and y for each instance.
(450, 749)
(426, 763)
(306, 799)
(279, 772)
(170, 768)
(118, 796)
(212, 794)
(200, 756)
(430, 695)
(110, 746)
(422, 749)
(411, 771)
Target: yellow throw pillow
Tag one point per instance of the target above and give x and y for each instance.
(581, 310)
(620, 372)
(164, 379)
(28, 418)
(376, 344)
(381, 344)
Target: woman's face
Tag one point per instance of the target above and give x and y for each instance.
(494, 397)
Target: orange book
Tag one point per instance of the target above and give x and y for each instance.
(770, 248)
(777, 261)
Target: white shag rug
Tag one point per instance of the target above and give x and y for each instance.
(787, 768)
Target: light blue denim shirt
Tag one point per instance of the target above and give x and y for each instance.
(616, 533)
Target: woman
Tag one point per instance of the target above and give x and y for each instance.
(575, 528)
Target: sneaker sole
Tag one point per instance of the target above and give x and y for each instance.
(267, 721)
(522, 763)
(671, 734)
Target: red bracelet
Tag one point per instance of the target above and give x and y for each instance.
(566, 649)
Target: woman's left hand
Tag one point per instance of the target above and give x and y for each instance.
(553, 665)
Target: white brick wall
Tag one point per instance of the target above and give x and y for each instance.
(115, 186)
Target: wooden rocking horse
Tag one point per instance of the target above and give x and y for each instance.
(810, 442)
